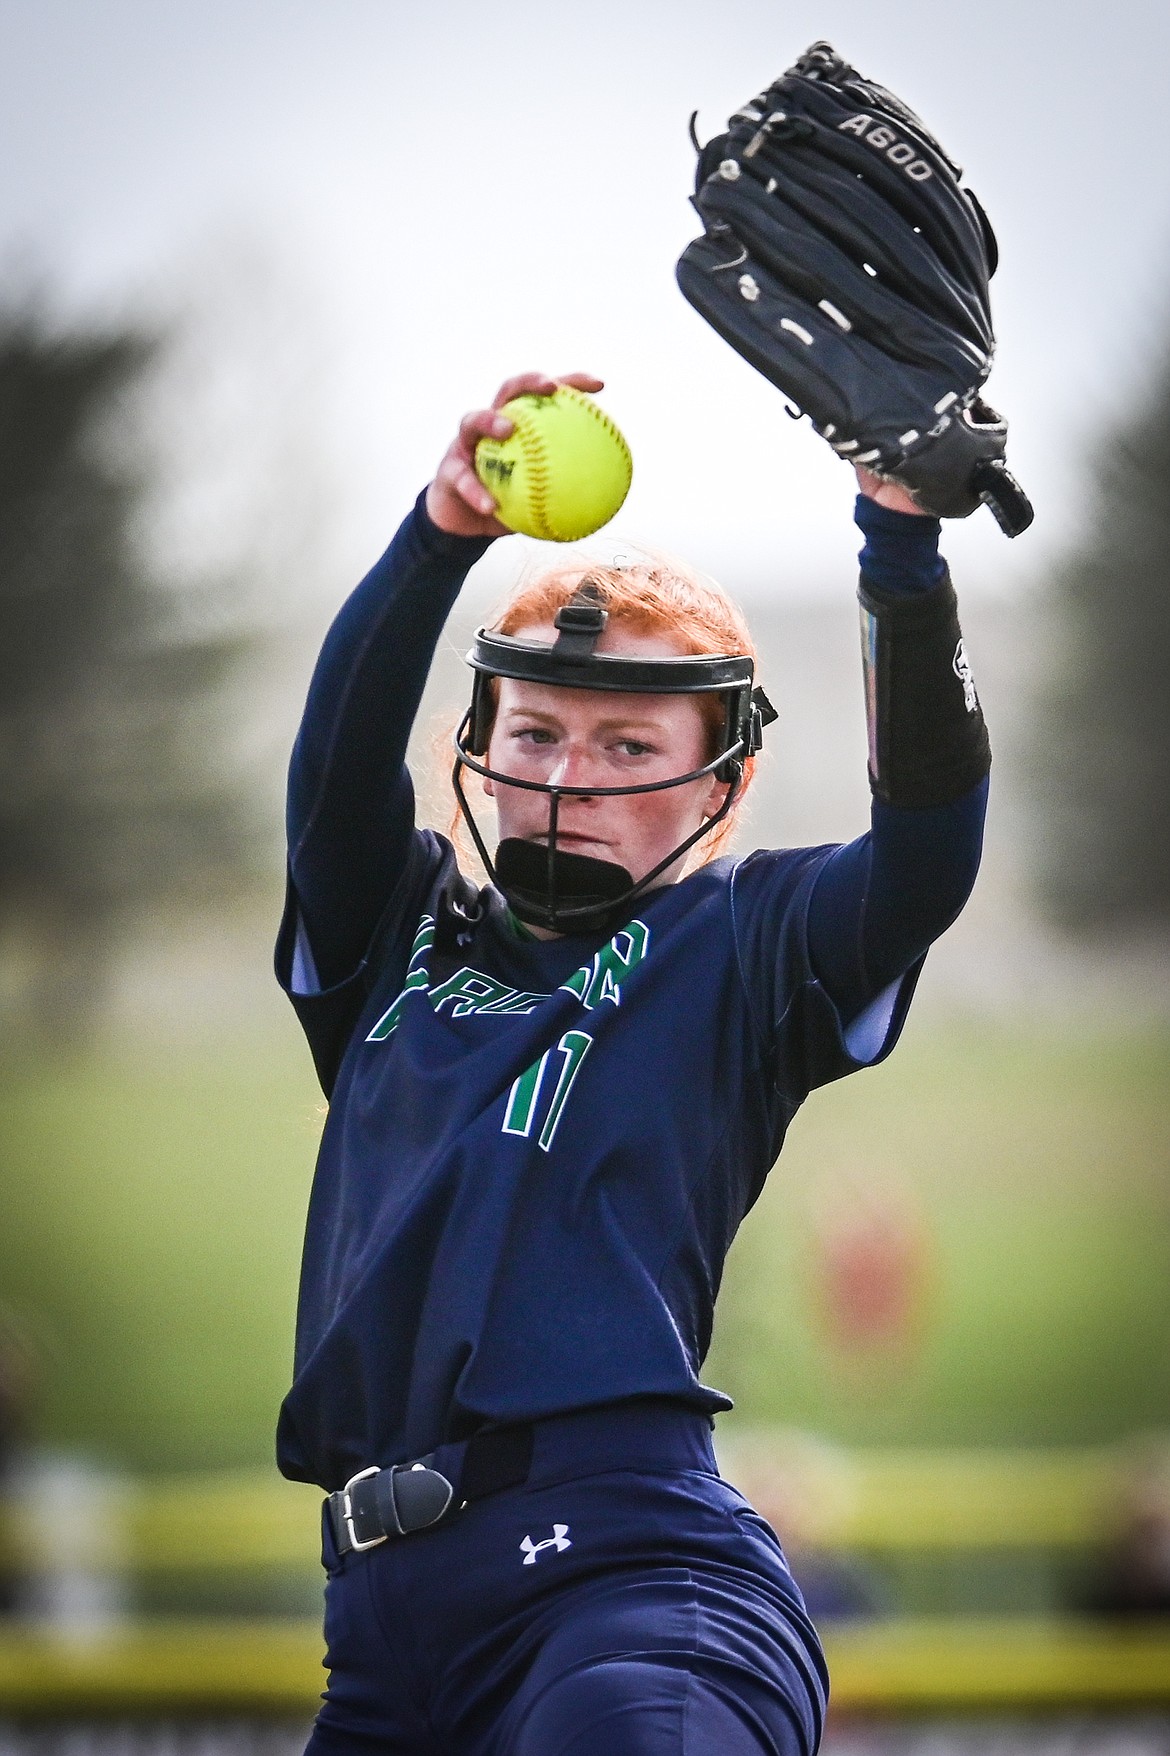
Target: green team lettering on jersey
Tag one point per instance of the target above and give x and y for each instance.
(416, 977)
(470, 992)
(600, 980)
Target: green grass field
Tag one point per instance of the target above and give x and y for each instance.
(154, 1203)
(1030, 1173)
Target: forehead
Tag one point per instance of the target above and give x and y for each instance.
(602, 704)
(617, 639)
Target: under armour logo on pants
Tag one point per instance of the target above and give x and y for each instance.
(558, 1540)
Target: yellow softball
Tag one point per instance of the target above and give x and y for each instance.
(563, 471)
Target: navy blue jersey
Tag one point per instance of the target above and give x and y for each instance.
(538, 1152)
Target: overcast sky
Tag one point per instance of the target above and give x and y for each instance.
(445, 194)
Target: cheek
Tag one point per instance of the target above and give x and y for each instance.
(496, 757)
(659, 820)
(517, 810)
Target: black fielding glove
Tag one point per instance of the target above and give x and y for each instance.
(844, 259)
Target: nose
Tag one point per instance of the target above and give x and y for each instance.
(576, 768)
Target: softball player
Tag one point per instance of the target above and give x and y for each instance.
(552, 1100)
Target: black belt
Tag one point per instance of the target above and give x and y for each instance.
(378, 1504)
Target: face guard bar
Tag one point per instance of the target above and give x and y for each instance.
(567, 892)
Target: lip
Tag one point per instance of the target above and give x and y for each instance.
(564, 836)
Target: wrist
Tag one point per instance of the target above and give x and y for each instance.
(437, 538)
(901, 548)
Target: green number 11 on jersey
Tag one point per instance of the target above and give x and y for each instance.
(524, 1097)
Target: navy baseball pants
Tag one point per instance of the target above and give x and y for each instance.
(625, 1599)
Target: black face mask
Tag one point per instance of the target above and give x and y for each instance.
(542, 883)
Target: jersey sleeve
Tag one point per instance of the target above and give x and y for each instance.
(879, 902)
(350, 812)
(810, 1038)
(835, 937)
(353, 852)
(328, 1015)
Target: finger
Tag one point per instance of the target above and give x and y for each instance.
(482, 424)
(524, 384)
(582, 381)
(543, 384)
(464, 482)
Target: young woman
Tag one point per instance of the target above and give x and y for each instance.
(552, 1100)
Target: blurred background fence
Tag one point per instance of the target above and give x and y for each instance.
(941, 1581)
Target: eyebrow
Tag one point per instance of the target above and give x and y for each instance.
(624, 720)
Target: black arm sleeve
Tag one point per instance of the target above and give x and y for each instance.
(882, 899)
(350, 812)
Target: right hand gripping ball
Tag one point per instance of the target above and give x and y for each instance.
(564, 470)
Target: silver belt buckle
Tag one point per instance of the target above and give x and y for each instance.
(347, 1510)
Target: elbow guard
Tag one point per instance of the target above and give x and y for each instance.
(928, 744)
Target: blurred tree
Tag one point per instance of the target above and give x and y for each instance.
(1105, 792)
(111, 796)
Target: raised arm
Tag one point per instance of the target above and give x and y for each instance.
(350, 811)
(883, 898)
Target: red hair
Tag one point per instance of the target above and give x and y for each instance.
(654, 595)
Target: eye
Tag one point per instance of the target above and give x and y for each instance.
(634, 747)
(535, 735)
